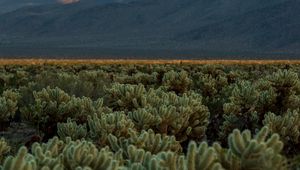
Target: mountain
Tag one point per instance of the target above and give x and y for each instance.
(207, 27)
(11, 5)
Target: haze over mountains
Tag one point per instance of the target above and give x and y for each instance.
(210, 27)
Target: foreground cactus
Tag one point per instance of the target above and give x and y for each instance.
(4, 148)
(246, 152)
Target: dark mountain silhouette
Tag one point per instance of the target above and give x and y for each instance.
(210, 26)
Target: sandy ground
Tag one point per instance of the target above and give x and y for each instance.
(129, 61)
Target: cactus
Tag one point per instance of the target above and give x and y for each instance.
(4, 148)
(143, 78)
(146, 140)
(240, 111)
(85, 154)
(202, 157)
(55, 106)
(179, 82)
(246, 152)
(115, 123)
(286, 85)
(288, 127)
(8, 105)
(72, 130)
(125, 97)
(22, 161)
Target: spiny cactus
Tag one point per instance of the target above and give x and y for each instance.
(285, 83)
(143, 78)
(181, 116)
(243, 99)
(4, 148)
(202, 157)
(72, 130)
(22, 161)
(240, 111)
(168, 113)
(102, 125)
(85, 154)
(288, 127)
(246, 152)
(267, 98)
(48, 155)
(147, 140)
(125, 97)
(140, 159)
(178, 82)
(208, 85)
(143, 118)
(8, 105)
(54, 105)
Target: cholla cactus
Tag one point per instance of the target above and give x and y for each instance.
(58, 155)
(125, 97)
(4, 148)
(287, 126)
(147, 140)
(143, 118)
(22, 161)
(243, 99)
(177, 82)
(164, 112)
(48, 106)
(115, 123)
(80, 154)
(208, 85)
(49, 154)
(246, 152)
(202, 157)
(240, 111)
(183, 116)
(139, 159)
(8, 105)
(286, 84)
(54, 105)
(267, 97)
(143, 78)
(72, 130)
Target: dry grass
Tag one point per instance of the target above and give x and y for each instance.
(130, 61)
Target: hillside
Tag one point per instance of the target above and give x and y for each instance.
(223, 27)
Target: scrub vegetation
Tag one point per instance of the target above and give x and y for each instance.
(134, 115)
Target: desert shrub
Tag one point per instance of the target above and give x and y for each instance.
(8, 105)
(52, 106)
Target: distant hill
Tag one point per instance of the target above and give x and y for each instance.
(212, 26)
(11, 5)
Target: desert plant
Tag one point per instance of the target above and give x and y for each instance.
(147, 140)
(179, 82)
(72, 130)
(288, 127)
(4, 148)
(8, 106)
(116, 123)
(246, 152)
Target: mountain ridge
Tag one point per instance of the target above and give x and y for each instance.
(260, 26)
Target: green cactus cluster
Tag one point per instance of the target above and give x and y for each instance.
(156, 117)
(4, 148)
(244, 152)
(8, 105)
